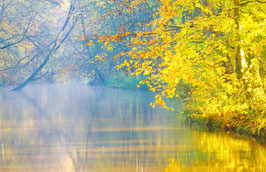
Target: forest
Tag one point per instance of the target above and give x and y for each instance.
(209, 54)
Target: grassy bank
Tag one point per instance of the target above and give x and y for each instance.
(237, 125)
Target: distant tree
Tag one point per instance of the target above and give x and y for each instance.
(30, 37)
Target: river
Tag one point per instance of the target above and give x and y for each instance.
(73, 127)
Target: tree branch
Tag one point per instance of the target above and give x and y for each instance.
(56, 45)
(16, 42)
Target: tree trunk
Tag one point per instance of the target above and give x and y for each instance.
(238, 49)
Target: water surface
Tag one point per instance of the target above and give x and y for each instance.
(73, 127)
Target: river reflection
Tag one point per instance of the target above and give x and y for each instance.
(65, 128)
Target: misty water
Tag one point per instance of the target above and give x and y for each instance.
(73, 127)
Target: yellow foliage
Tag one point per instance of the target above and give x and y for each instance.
(194, 52)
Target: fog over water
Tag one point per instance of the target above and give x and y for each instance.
(73, 127)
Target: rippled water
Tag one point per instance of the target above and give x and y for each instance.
(73, 127)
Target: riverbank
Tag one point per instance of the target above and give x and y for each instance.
(234, 123)
(236, 126)
(218, 125)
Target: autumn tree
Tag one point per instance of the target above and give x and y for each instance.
(209, 53)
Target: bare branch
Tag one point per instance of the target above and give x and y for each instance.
(16, 42)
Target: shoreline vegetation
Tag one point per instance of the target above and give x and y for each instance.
(212, 124)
